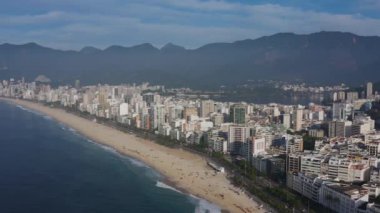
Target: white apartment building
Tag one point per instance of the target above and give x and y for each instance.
(342, 198)
(311, 164)
(344, 169)
(307, 185)
(218, 144)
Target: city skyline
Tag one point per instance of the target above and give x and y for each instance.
(315, 150)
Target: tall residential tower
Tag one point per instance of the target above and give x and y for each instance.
(369, 90)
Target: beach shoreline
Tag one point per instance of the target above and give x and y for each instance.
(185, 171)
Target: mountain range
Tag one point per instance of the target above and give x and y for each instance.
(323, 57)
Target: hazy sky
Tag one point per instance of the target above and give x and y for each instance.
(72, 24)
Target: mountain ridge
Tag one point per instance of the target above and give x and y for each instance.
(323, 57)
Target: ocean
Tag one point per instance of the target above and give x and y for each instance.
(46, 166)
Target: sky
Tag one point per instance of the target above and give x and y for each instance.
(73, 24)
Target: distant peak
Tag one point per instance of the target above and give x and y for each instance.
(332, 32)
(115, 47)
(285, 34)
(140, 47)
(244, 41)
(6, 44)
(31, 45)
(89, 49)
(170, 47)
(144, 46)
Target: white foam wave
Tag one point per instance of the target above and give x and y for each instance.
(47, 117)
(67, 128)
(203, 206)
(73, 131)
(104, 147)
(28, 110)
(165, 186)
(147, 169)
(21, 107)
(138, 163)
(109, 149)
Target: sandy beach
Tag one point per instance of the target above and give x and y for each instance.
(185, 170)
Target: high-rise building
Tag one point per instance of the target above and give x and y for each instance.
(340, 128)
(340, 111)
(207, 107)
(175, 112)
(294, 145)
(352, 96)
(336, 129)
(161, 115)
(158, 116)
(238, 114)
(369, 90)
(362, 125)
(293, 163)
(115, 92)
(123, 109)
(298, 115)
(342, 197)
(276, 112)
(252, 147)
(77, 84)
(190, 111)
(148, 98)
(237, 136)
(217, 119)
(311, 164)
(341, 95)
(286, 120)
(102, 99)
(317, 133)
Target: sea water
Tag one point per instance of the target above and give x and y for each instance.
(46, 166)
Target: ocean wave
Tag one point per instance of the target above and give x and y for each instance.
(114, 151)
(21, 107)
(137, 163)
(109, 149)
(148, 171)
(74, 131)
(203, 206)
(28, 110)
(104, 147)
(71, 130)
(165, 186)
(47, 117)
